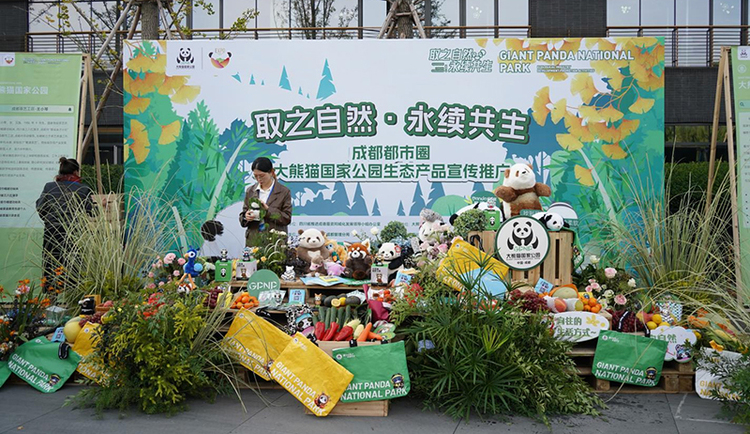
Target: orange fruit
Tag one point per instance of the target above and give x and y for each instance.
(252, 299)
(592, 302)
(596, 308)
(248, 305)
(587, 308)
(245, 298)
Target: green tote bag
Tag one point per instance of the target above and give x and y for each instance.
(380, 372)
(38, 363)
(628, 358)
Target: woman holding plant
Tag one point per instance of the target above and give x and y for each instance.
(268, 204)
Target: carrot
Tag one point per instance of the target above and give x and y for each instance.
(365, 333)
(375, 337)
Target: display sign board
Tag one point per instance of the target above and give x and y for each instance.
(741, 92)
(678, 340)
(359, 144)
(578, 326)
(522, 243)
(39, 99)
(706, 384)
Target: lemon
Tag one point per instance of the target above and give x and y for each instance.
(651, 325)
(697, 335)
(656, 318)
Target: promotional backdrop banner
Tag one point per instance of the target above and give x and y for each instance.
(39, 98)
(368, 131)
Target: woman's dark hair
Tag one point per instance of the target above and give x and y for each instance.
(68, 166)
(263, 164)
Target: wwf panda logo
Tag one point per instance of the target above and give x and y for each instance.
(523, 235)
(185, 56)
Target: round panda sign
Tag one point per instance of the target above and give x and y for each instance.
(522, 243)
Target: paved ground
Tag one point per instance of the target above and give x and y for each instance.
(24, 410)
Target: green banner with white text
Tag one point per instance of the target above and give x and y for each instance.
(39, 98)
(741, 92)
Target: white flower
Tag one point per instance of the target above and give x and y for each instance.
(594, 259)
(354, 232)
(631, 283)
(604, 304)
(609, 293)
(374, 231)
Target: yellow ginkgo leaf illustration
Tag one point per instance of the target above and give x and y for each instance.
(140, 63)
(569, 142)
(169, 132)
(146, 85)
(614, 151)
(136, 105)
(628, 127)
(583, 175)
(606, 45)
(583, 85)
(642, 105)
(652, 83)
(140, 145)
(125, 149)
(185, 94)
(639, 71)
(575, 126)
(590, 113)
(609, 70)
(514, 44)
(171, 84)
(610, 114)
(482, 42)
(163, 44)
(539, 108)
(559, 110)
(604, 133)
(557, 76)
(571, 45)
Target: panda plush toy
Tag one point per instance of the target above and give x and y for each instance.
(553, 221)
(391, 253)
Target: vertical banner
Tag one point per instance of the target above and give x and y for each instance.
(741, 92)
(369, 131)
(39, 99)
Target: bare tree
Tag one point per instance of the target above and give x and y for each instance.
(311, 15)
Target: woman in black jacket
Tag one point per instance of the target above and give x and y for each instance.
(61, 200)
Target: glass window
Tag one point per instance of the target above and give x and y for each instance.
(657, 12)
(202, 16)
(373, 13)
(692, 12)
(43, 17)
(623, 12)
(727, 12)
(445, 12)
(480, 12)
(343, 14)
(513, 12)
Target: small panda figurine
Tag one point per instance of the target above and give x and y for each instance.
(553, 221)
(391, 253)
(88, 306)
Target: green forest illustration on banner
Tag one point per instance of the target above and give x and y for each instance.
(588, 154)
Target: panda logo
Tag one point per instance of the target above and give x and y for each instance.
(522, 236)
(185, 56)
(322, 400)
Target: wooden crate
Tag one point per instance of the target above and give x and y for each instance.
(557, 267)
(484, 241)
(368, 408)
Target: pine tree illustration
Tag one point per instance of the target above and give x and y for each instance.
(326, 87)
(284, 82)
(359, 207)
(478, 186)
(400, 211)
(375, 209)
(436, 192)
(339, 199)
(252, 79)
(417, 203)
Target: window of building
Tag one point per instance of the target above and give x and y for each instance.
(727, 12)
(623, 12)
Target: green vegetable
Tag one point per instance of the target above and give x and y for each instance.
(348, 314)
(340, 317)
(353, 301)
(328, 300)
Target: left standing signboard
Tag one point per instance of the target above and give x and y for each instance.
(39, 103)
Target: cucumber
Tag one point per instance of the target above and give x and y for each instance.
(341, 316)
(322, 310)
(348, 314)
(315, 318)
(328, 300)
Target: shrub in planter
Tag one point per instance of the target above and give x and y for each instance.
(159, 350)
(392, 231)
(470, 353)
